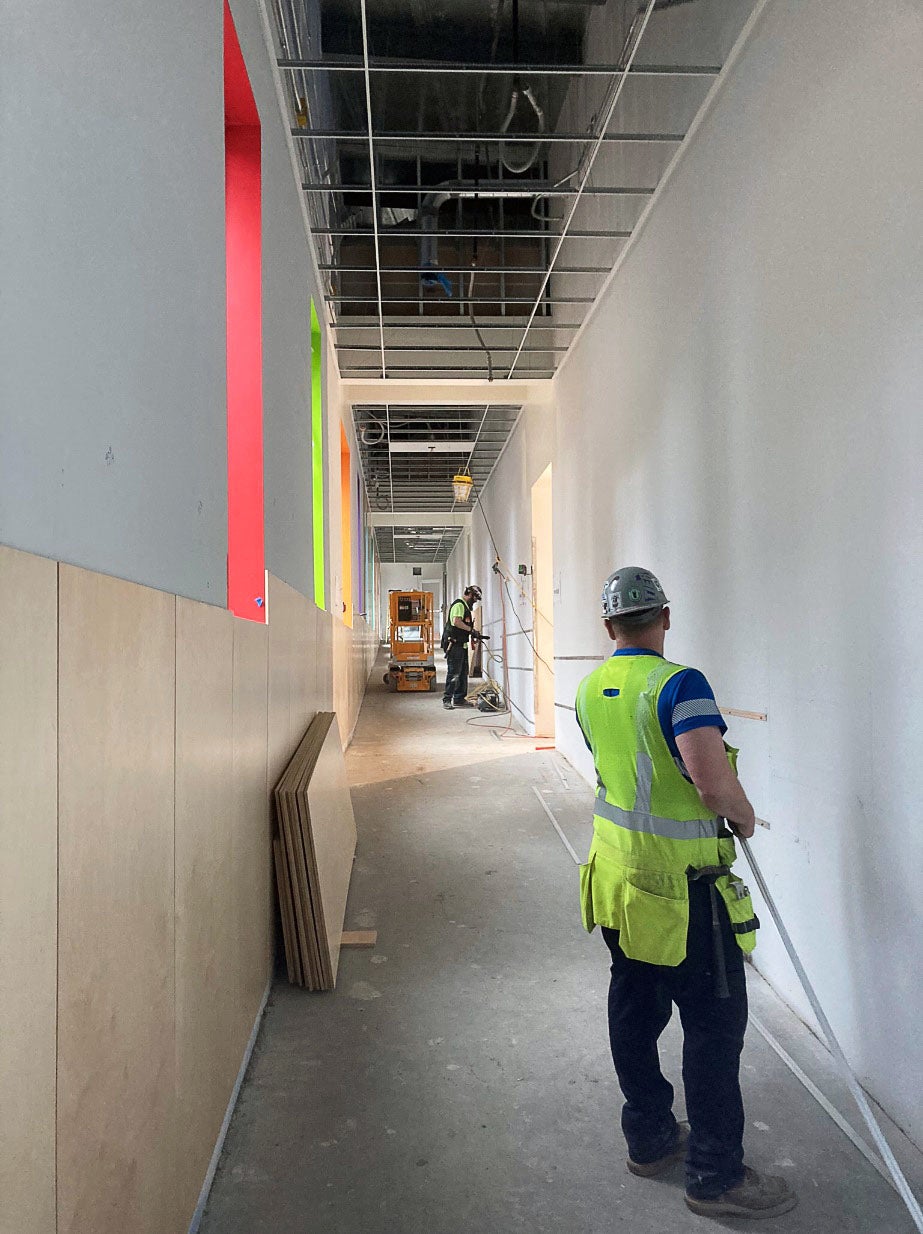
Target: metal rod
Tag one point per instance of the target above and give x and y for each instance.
(346, 324)
(454, 234)
(438, 368)
(331, 266)
(344, 299)
(483, 194)
(623, 73)
(390, 471)
(355, 65)
(900, 1182)
(485, 138)
(437, 347)
(368, 115)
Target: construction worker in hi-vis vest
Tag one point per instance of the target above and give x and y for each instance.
(676, 919)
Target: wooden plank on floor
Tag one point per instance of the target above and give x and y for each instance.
(359, 938)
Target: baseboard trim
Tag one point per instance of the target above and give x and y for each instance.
(222, 1134)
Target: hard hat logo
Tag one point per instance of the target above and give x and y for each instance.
(632, 590)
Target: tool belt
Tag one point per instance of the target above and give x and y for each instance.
(710, 875)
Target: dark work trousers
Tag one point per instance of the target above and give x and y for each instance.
(456, 678)
(640, 1005)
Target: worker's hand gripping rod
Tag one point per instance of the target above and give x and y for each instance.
(900, 1182)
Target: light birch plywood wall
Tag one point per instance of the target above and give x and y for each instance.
(140, 734)
(28, 890)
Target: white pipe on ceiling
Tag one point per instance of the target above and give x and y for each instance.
(606, 121)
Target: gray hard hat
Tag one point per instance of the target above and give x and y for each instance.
(632, 592)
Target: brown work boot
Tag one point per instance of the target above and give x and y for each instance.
(650, 1169)
(757, 1195)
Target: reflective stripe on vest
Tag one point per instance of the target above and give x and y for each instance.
(650, 824)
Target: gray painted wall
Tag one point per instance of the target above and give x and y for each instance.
(112, 364)
(112, 311)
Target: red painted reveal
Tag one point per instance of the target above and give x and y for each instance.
(239, 107)
(246, 560)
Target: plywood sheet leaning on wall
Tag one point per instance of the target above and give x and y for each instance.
(28, 889)
(333, 832)
(116, 1098)
(314, 856)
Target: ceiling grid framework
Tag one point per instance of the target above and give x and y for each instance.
(473, 171)
(472, 174)
(409, 454)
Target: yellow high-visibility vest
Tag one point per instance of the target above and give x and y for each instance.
(649, 823)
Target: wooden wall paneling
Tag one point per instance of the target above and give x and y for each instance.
(324, 645)
(116, 1075)
(250, 828)
(282, 619)
(342, 651)
(304, 652)
(208, 1045)
(28, 890)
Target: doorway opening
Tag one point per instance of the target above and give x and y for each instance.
(543, 604)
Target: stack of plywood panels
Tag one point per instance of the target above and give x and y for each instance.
(314, 852)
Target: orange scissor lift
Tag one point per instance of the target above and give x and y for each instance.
(412, 664)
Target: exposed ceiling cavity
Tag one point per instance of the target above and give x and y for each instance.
(419, 545)
(409, 456)
(473, 168)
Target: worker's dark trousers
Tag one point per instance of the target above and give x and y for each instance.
(456, 680)
(640, 1005)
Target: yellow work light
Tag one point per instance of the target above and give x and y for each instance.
(461, 486)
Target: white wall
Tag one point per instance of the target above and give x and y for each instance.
(399, 576)
(743, 416)
(507, 504)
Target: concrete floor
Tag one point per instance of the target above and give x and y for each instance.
(458, 1080)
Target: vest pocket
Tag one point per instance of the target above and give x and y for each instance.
(744, 921)
(655, 919)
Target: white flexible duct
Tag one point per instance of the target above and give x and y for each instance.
(526, 93)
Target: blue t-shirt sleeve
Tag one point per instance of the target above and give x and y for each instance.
(686, 702)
